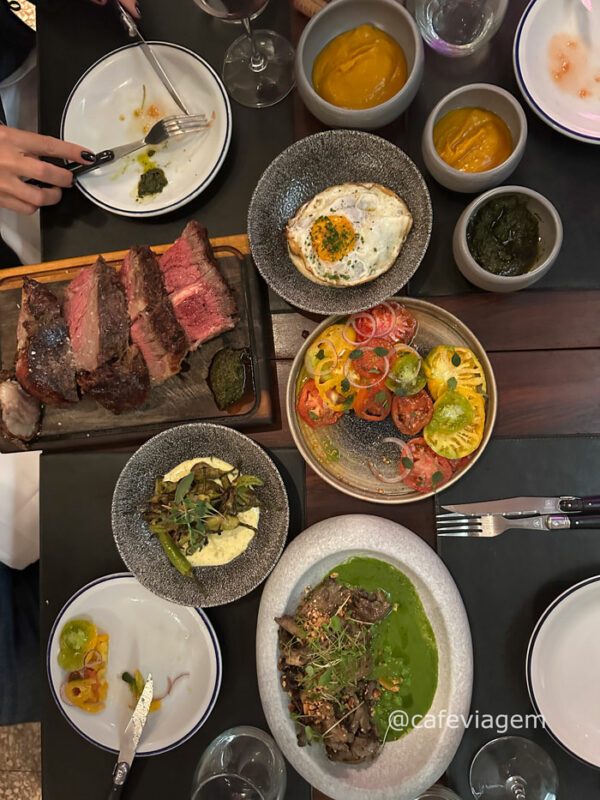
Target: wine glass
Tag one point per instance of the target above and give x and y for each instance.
(243, 763)
(258, 70)
(513, 768)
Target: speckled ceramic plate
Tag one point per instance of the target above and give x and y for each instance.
(340, 453)
(307, 168)
(409, 765)
(142, 552)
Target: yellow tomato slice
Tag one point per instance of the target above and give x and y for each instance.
(445, 362)
(330, 387)
(332, 348)
(465, 441)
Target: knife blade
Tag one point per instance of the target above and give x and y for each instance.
(529, 506)
(134, 33)
(131, 737)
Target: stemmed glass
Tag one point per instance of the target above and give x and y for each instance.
(242, 763)
(258, 70)
(513, 768)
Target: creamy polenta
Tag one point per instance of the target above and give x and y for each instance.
(224, 547)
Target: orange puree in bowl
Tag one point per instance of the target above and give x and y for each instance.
(472, 139)
(360, 68)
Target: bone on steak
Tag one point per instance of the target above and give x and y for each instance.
(19, 412)
(108, 367)
(203, 303)
(45, 366)
(155, 329)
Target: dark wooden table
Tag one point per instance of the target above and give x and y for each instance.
(544, 343)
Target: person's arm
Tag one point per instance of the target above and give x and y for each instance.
(129, 5)
(19, 161)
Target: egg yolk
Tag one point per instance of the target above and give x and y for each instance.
(332, 237)
(360, 68)
(472, 139)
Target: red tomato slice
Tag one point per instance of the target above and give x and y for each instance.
(373, 404)
(374, 359)
(458, 463)
(412, 413)
(392, 321)
(312, 409)
(428, 468)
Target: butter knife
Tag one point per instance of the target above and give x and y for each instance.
(130, 739)
(530, 506)
(134, 33)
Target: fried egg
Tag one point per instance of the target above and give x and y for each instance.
(348, 234)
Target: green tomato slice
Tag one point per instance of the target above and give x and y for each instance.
(451, 412)
(407, 376)
(75, 640)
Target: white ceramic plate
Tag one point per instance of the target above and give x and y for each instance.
(410, 765)
(566, 112)
(101, 113)
(563, 665)
(151, 635)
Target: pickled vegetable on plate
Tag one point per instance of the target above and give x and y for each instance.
(76, 638)
(446, 364)
(464, 441)
(84, 653)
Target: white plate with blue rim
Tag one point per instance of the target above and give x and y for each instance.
(118, 100)
(154, 636)
(562, 668)
(556, 57)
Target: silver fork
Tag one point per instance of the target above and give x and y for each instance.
(162, 130)
(495, 524)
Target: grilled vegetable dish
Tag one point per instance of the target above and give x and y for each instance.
(205, 512)
(358, 648)
(370, 366)
(84, 654)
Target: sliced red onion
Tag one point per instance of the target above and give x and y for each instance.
(400, 307)
(350, 323)
(401, 346)
(335, 353)
(92, 658)
(383, 334)
(171, 683)
(382, 377)
(405, 449)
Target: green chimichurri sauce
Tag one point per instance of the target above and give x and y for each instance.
(503, 236)
(403, 644)
(153, 179)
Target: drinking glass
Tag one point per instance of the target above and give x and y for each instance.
(513, 768)
(258, 69)
(459, 27)
(243, 763)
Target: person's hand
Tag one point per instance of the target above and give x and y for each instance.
(129, 5)
(19, 151)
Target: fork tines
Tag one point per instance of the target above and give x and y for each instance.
(183, 121)
(452, 524)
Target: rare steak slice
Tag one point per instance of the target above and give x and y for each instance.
(19, 412)
(155, 329)
(203, 303)
(108, 367)
(45, 365)
(119, 385)
(96, 312)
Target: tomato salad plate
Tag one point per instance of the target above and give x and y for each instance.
(103, 645)
(392, 403)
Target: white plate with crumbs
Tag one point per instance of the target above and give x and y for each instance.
(118, 100)
(170, 641)
(563, 664)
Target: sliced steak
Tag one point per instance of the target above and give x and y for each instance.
(96, 312)
(161, 340)
(45, 365)
(201, 298)
(119, 385)
(142, 279)
(199, 312)
(108, 367)
(19, 412)
(155, 329)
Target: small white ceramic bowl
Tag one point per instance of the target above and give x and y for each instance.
(476, 95)
(551, 236)
(341, 16)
